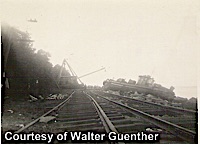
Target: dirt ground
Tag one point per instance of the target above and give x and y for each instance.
(17, 113)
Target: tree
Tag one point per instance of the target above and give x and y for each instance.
(28, 71)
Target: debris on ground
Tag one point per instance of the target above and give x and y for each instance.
(46, 119)
(20, 111)
(40, 97)
(32, 98)
(11, 111)
(52, 96)
(153, 130)
(19, 125)
(60, 96)
(56, 96)
(149, 130)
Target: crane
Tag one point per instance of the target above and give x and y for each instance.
(72, 80)
(73, 74)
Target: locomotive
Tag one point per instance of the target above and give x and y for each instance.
(145, 85)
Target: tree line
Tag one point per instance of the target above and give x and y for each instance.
(24, 70)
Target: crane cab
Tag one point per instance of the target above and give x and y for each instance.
(69, 82)
(145, 80)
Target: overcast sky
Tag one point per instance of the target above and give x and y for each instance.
(129, 38)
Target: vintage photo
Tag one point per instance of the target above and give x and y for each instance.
(99, 71)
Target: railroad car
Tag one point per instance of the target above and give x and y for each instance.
(144, 85)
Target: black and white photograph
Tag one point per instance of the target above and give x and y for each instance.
(100, 71)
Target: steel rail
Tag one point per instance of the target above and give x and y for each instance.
(36, 120)
(179, 131)
(109, 127)
(103, 116)
(173, 109)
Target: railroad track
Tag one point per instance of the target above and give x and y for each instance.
(182, 117)
(156, 124)
(84, 112)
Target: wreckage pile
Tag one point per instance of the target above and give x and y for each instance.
(146, 89)
(177, 101)
(50, 97)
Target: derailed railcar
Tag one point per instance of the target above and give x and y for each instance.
(145, 85)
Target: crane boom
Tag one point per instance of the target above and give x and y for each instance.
(91, 73)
